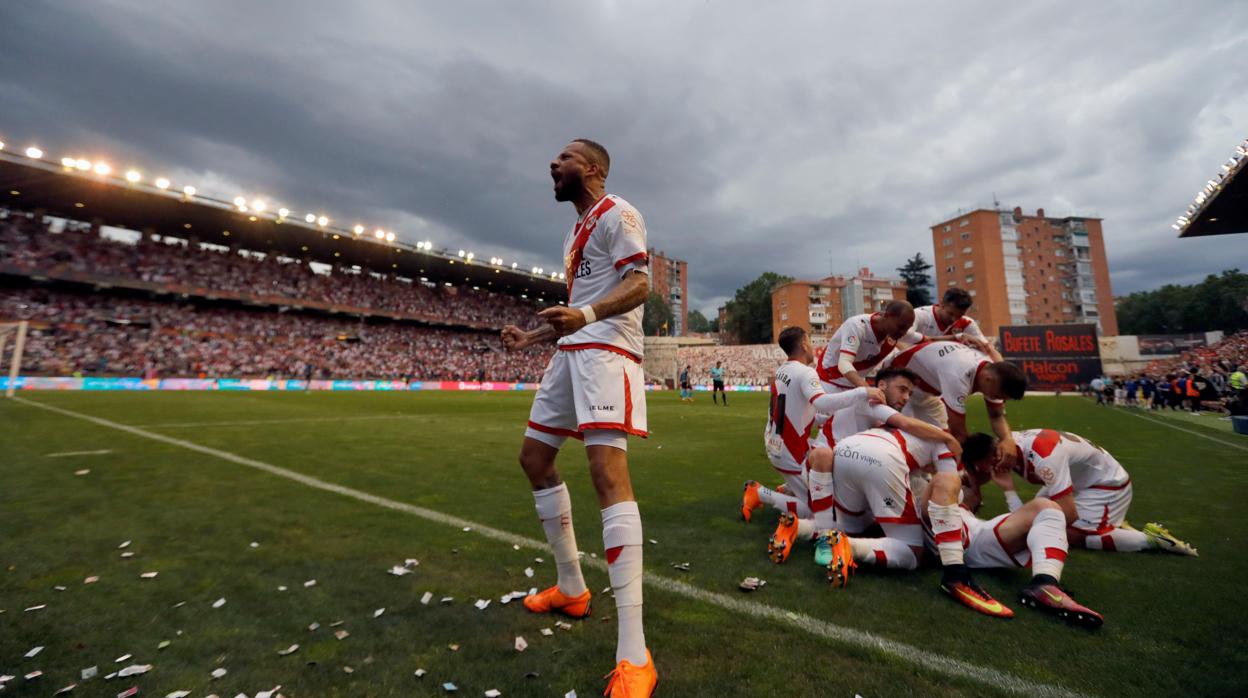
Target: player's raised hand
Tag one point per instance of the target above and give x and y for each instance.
(563, 319)
(514, 338)
(1004, 478)
(875, 395)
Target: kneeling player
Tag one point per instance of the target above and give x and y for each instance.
(1091, 487)
(796, 395)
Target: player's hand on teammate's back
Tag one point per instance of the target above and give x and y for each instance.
(565, 320)
(514, 338)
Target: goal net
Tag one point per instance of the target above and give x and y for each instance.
(12, 344)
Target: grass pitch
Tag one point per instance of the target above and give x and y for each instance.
(1174, 626)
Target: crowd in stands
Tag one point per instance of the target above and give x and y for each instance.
(31, 246)
(108, 335)
(1203, 378)
(750, 364)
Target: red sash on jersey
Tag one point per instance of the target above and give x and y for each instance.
(833, 372)
(580, 236)
(903, 360)
(960, 324)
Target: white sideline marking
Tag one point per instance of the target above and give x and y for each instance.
(66, 454)
(848, 636)
(288, 420)
(1165, 423)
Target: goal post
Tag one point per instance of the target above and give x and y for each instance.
(12, 334)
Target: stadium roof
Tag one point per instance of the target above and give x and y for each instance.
(79, 190)
(1221, 207)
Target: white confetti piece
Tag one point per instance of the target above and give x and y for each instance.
(493, 693)
(449, 687)
(521, 643)
(59, 588)
(65, 690)
(281, 588)
(149, 575)
(398, 571)
(572, 694)
(91, 580)
(34, 675)
(219, 602)
(562, 625)
(528, 572)
(33, 652)
(163, 644)
(289, 650)
(309, 583)
(5, 678)
(126, 544)
(89, 673)
(532, 591)
(40, 607)
(426, 598)
(179, 604)
(378, 612)
(314, 626)
(653, 542)
(110, 677)
(348, 670)
(218, 673)
(538, 560)
(254, 544)
(547, 632)
(482, 604)
(411, 562)
(453, 647)
(127, 554)
(341, 634)
(129, 692)
(467, 529)
(337, 623)
(135, 670)
(515, 547)
(271, 693)
(447, 599)
(84, 471)
(122, 658)
(177, 694)
(419, 673)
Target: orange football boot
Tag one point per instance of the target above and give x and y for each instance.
(957, 583)
(750, 500)
(781, 542)
(842, 564)
(553, 600)
(628, 680)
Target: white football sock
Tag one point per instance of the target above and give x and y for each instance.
(888, 553)
(821, 499)
(1047, 542)
(806, 529)
(783, 502)
(621, 535)
(554, 508)
(1122, 540)
(947, 529)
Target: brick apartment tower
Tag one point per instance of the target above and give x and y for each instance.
(1026, 270)
(669, 277)
(819, 307)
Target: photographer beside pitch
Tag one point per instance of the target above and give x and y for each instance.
(593, 390)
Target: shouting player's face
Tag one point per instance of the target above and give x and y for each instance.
(897, 391)
(568, 171)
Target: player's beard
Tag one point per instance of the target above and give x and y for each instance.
(569, 187)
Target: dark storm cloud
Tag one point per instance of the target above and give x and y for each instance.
(804, 141)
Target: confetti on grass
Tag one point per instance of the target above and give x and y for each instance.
(149, 575)
(289, 650)
(34, 651)
(341, 634)
(218, 673)
(419, 673)
(521, 644)
(426, 598)
(219, 602)
(135, 670)
(89, 673)
(378, 612)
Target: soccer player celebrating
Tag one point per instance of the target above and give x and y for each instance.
(860, 344)
(593, 390)
(717, 383)
(796, 394)
(1090, 486)
(949, 373)
(947, 321)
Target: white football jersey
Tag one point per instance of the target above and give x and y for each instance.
(856, 419)
(791, 414)
(1063, 462)
(603, 246)
(856, 338)
(947, 369)
(885, 445)
(927, 325)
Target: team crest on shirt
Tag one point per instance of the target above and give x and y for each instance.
(1045, 473)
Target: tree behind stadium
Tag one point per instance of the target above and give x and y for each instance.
(658, 318)
(1217, 303)
(749, 312)
(698, 322)
(918, 281)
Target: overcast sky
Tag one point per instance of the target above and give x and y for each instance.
(796, 137)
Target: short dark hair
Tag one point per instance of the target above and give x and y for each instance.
(1012, 379)
(894, 372)
(959, 297)
(977, 447)
(791, 340)
(896, 307)
(600, 154)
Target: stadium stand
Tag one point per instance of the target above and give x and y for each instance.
(749, 364)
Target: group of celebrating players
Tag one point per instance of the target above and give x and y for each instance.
(894, 477)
